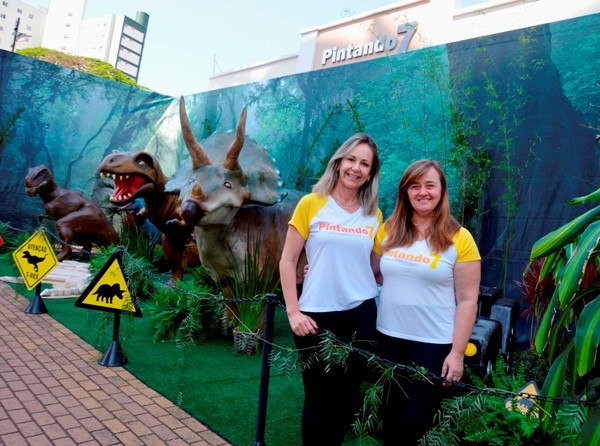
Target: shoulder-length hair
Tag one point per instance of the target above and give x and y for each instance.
(400, 228)
(368, 194)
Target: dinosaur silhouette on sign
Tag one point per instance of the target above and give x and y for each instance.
(33, 260)
(108, 292)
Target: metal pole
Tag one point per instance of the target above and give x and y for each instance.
(263, 395)
(14, 42)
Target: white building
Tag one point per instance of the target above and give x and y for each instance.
(31, 24)
(404, 26)
(116, 39)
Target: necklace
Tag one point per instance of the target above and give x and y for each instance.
(422, 232)
(345, 206)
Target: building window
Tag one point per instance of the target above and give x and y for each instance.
(4, 3)
(70, 14)
(68, 25)
(466, 3)
(31, 16)
(2, 16)
(19, 11)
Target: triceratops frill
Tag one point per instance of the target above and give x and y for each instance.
(230, 189)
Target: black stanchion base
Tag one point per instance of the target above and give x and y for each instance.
(36, 306)
(114, 356)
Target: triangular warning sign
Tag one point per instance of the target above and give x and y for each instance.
(108, 290)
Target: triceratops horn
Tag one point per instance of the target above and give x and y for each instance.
(197, 153)
(233, 152)
(197, 191)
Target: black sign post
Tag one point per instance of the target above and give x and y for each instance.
(37, 305)
(114, 356)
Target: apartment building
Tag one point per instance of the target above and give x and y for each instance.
(62, 26)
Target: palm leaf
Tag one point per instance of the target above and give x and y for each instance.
(553, 385)
(594, 197)
(575, 267)
(565, 234)
(587, 337)
(543, 332)
(590, 431)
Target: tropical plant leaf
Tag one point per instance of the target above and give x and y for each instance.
(543, 332)
(594, 197)
(553, 386)
(590, 431)
(587, 337)
(575, 268)
(553, 262)
(562, 236)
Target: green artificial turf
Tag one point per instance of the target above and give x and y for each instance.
(210, 381)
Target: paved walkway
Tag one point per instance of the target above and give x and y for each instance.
(54, 392)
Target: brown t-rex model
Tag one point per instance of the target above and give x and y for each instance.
(139, 175)
(78, 220)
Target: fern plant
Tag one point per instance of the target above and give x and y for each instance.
(187, 314)
(483, 418)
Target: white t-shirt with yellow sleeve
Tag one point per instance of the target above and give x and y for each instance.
(338, 248)
(417, 300)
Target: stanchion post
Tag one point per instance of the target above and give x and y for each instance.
(263, 394)
(114, 356)
(37, 305)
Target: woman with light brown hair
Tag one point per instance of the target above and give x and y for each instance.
(431, 271)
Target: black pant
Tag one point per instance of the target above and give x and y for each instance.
(331, 396)
(409, 405)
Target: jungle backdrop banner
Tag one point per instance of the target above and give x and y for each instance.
(512, 117)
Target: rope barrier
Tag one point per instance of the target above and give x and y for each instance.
(326, 335)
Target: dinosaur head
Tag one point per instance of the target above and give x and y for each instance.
(135, 175)
(223, 173)
(39, 179)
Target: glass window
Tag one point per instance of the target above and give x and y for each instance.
(465, 3)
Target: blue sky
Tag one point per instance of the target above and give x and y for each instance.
(188, 40)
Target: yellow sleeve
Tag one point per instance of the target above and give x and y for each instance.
(465, 246)
(379, 238)
(306, 209)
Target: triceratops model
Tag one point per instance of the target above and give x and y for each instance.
(78, 220)
(139, 175)
(231, 191)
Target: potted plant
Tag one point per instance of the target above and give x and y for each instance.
(247, 312)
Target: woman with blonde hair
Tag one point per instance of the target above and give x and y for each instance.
(336, 225)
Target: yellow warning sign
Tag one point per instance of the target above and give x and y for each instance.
(526, 401)
(35, 259)
(108, 290)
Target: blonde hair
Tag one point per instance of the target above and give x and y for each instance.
(368, 194)
(400, 228)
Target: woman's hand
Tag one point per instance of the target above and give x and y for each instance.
(453, 368)
(302, 324)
